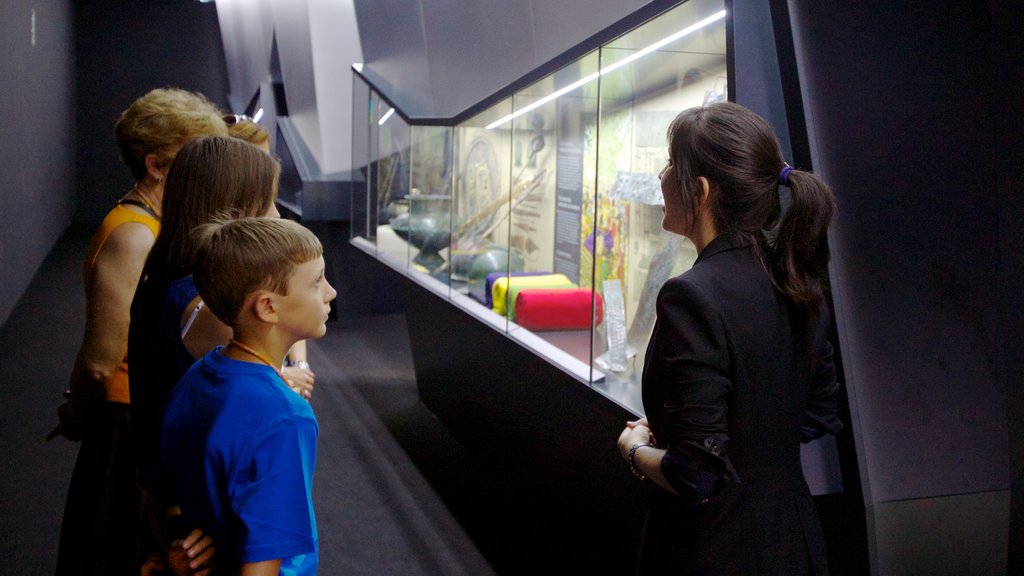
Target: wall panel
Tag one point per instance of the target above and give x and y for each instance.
(37, 150)
(898, 102)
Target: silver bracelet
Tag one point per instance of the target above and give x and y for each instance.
(632, 459)
(301, 364)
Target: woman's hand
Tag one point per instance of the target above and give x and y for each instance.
(299, 379)
(73, 417)
(191, 556)
(635, 432)
(640, 422)
(153, 566)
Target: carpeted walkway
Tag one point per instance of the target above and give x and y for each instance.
(376, 513)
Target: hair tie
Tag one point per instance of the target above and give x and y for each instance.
(784, 175)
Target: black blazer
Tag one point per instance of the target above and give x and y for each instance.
(735, 377)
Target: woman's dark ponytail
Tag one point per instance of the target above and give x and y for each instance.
(798, 258)
(738, 152)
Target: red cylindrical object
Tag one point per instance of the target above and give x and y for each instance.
(557, 308)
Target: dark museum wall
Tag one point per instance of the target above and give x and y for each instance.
(1007, 68)
(37, 159)
(910, 121)
(124, 49)
(68, 69)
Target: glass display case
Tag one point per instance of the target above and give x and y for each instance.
(541, 215)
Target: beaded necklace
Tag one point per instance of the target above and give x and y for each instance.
(249, 350)
(148, 205)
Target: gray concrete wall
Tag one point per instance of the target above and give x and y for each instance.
(904, 117)
(68, 70)
(37, 151)
(317, 43)
(124, 49)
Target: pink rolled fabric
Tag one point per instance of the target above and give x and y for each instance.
(557, 308)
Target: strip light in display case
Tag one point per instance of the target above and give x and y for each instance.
(385, 117)
(611, 68)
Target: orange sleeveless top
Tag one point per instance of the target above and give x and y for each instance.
(117, 387)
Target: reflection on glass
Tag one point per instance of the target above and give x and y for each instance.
(425, 215)
(392, 185)
(549, 289)
(480, 232)
(639, 98)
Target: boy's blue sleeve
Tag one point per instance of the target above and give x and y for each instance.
(273, 496)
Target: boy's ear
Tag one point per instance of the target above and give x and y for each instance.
(264, 306)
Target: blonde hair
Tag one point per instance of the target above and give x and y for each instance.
(245, 128)
(160, 122)
(236, 257)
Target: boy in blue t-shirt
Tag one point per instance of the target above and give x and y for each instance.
(238, 446)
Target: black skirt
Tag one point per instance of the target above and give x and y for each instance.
(100, 530)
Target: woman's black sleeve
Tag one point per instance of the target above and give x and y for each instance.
(693, 359)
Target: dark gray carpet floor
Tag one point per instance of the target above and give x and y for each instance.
(377, 514)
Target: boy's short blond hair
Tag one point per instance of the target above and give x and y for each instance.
(237, 257)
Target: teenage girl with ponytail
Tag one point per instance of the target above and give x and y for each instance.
(739, 369)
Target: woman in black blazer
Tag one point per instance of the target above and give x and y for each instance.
(739, 368)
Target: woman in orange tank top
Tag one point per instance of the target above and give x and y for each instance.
(100, 527)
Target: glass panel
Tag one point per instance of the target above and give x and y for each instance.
(673, 62)
(551, 208)
(360, 157)
(482, 177)
(428, 206)
(395, 235)
(559, 181)
(373, 169)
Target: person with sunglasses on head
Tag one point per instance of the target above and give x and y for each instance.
(297, 370)
(169, 327)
